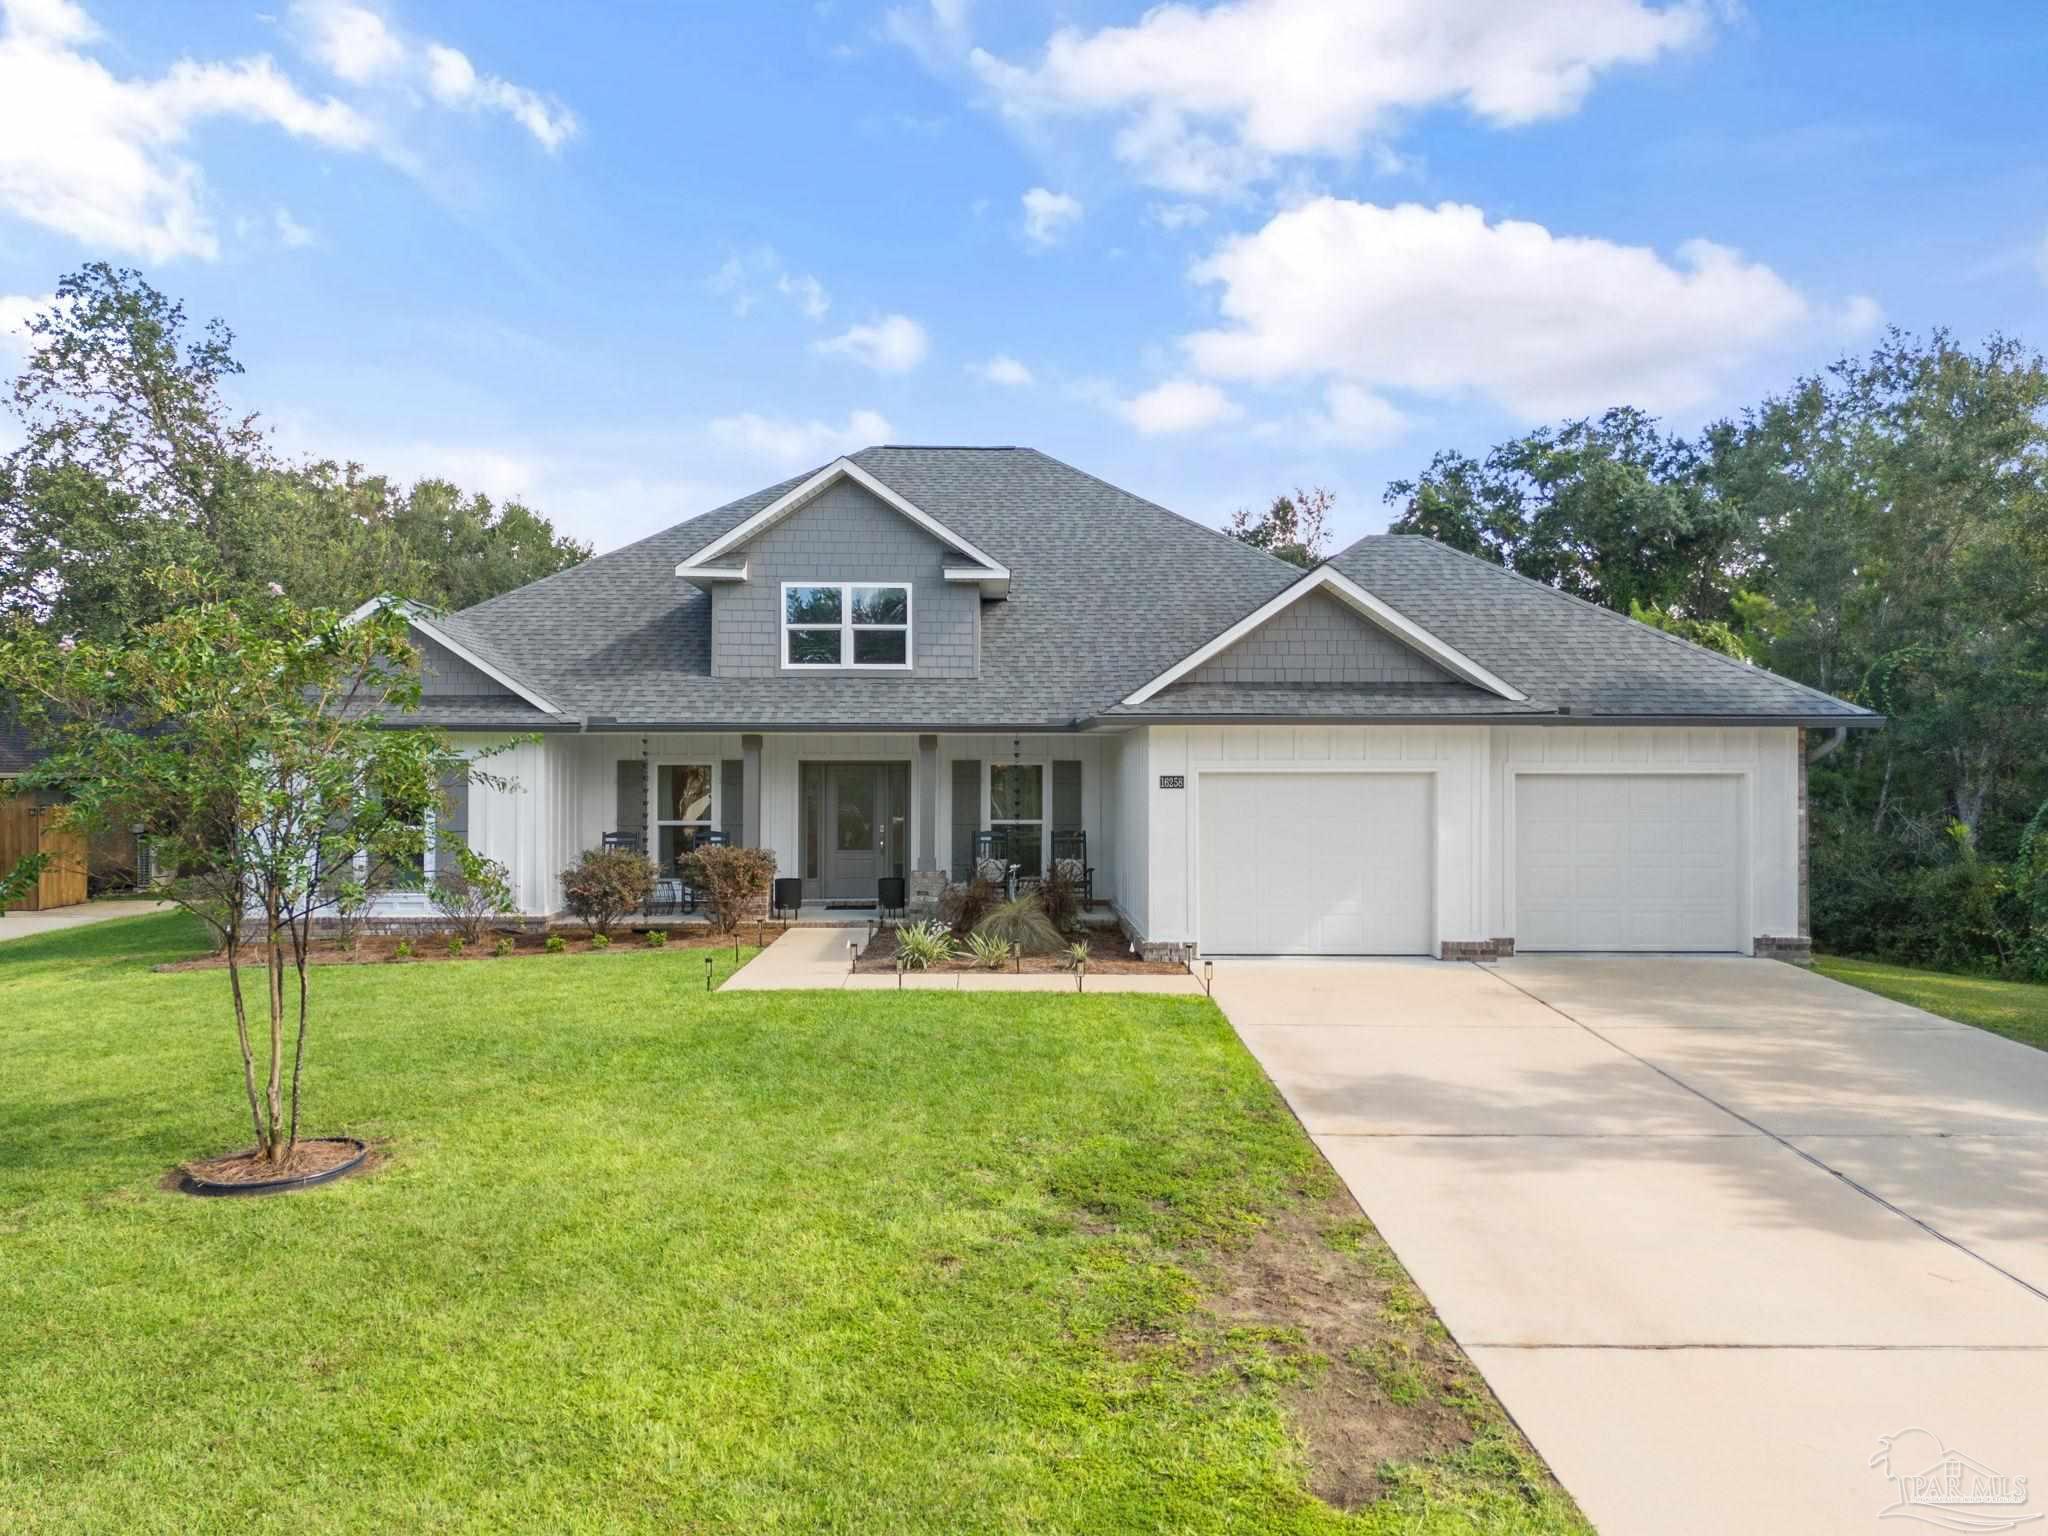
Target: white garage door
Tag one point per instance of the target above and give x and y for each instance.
(1628, 861)
(1317, 864)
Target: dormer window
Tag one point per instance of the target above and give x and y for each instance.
(845, 625)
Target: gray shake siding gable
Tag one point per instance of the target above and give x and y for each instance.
(1319, 640)
(845, 534)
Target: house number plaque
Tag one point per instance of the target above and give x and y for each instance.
(1173, 781)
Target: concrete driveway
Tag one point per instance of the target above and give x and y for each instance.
(1710, 1227)
(22, 925)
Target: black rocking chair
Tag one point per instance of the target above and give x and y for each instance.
(992, 858)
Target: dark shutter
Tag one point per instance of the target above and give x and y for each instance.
(732, 793)
(631, 813)
(1066, 796)
(966, 814)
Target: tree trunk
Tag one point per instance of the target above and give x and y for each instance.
(300, 939)
(273, 953)
(234, 934)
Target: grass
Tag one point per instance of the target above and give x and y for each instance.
(2016, 1009)
(643, 1259)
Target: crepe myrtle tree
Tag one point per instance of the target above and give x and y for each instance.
(252, 740)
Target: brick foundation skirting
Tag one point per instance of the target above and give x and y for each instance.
(1478, 949)
(1793, 951)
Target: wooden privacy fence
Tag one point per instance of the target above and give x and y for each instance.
(25, 829)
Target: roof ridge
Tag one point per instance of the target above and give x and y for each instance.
(1176, 516)
(1748, 668)
(659, 533)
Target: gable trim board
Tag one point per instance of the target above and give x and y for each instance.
(990, 573)
(416, 616)
(1326, 578)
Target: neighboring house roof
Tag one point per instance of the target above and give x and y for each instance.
(16, 755)
(1107, 593)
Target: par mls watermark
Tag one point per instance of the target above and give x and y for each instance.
(1948, 1489)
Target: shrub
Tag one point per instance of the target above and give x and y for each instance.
(736, 880)
(1074, 958)
(1022, 922)
(555, 944)
(600, 941)
(656, 937)
(504, 948)
(350, 898)
(604, 884)
(920, 946)
(1061, 899)
(471, 894)
(455, 946)
(988, 951)
(402, 950)
(961, 907)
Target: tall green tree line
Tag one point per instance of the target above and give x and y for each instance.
(133, 461)
(1880, 531)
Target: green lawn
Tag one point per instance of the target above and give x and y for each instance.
(2015, 1009)
(646, 1260)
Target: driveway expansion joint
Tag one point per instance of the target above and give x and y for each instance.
(1797, 1151)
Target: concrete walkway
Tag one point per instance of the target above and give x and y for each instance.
(21, 925)
(813, 958)
(1712, 1229)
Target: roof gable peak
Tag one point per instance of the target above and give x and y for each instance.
(712, 562)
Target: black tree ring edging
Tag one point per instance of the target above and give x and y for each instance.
(193, 1185)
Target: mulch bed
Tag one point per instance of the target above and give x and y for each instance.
(250, 1167)
(1109, 954)
(381, 948)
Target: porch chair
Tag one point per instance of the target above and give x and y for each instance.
(992, 858)
(630, 841)
(1070, 862)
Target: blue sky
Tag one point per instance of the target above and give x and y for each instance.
(630, 261)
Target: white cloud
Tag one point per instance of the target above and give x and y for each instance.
(1048, 215)
(1439, 302)
(1178, 405)
(746, 275)
(455, 82)
(359, 46)
(1005, 370)
(808, 293)
(1210, 98)
(1858, 315)
(96, 156)
(290, 232)
(893, 344)
(786, 442)
(354, 43)
(1357, 418)
(16, 310)
(1177, 215)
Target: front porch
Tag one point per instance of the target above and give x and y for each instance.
(867, 825)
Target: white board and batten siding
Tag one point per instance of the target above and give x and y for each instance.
(1700, 825)
(566, 797)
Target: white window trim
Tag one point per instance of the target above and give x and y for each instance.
(847, 627)
(401, 902)
(1042, 821)
(655, 821)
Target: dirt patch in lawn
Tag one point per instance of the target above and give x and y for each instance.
(1315, 1302)
(1380, 1380)
(1109, 954)
(429, 947)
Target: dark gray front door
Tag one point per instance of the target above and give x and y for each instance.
(855, 828)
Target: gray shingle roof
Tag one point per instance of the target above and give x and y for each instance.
(1108, 590)
(1569, 653)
